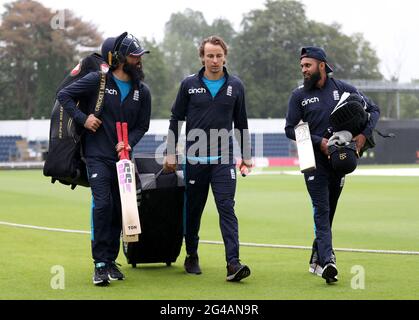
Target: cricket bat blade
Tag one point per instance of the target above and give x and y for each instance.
(127, 187)
(305, 148)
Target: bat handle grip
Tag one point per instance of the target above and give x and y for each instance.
(125, 138)
(119, 133)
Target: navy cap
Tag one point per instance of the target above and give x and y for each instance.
(315, 53)
(128, 45)
(344, 159)
(107, 47)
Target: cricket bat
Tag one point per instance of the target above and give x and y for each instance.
(305, 147)
(127, 189)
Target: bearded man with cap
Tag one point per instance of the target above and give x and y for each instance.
(313, 102)
(127, 99)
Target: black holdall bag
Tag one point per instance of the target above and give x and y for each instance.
(350, 114)
(160, 198)
(64, 161)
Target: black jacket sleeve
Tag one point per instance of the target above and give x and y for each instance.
(294, 116)
(241, 126)
(143, 122)
(82, 88)
(178, 116)
(374, 115)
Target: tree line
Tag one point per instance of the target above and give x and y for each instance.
(264, 53)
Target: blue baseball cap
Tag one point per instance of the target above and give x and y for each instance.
(107, 47)
(315, 53)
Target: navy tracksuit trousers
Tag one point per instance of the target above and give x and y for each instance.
(222, 178)
(106, 220)
(324, 186)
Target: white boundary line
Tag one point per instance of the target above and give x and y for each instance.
(385, 172)
(42, 228)
(244, 244)
(281, 246)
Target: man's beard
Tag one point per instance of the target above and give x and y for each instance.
(310, 82)
(135, 72)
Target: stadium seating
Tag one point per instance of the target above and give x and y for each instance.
(8, 149)
(149, 143)
(274, 144)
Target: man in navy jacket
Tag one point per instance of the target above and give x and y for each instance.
(127, 99)
(313, 102)
(210, 102)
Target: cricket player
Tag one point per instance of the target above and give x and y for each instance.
(127, 99)
(210, 102)
(313, 102)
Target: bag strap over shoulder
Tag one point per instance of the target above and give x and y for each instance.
(101, 94)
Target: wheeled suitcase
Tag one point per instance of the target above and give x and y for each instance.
(160, 198)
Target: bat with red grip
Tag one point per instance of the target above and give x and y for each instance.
(127, 188)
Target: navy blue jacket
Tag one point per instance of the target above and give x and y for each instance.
(135, 109)
(195, 104)
(315, 106)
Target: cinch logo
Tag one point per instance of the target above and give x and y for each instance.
(308, 101)
(111, 91)
(197, 91)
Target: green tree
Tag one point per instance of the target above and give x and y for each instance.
(183, 35)
(36, 55)
(157, 76)
(409, 106)
(266, 54)
(351, 56)
(223, 28)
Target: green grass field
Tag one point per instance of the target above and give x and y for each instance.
(373, 213)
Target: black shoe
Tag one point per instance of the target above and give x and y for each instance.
(114, 273)
(330, 273)
(100, 275)
(192, 264)
(314, 264)
(237, 271)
